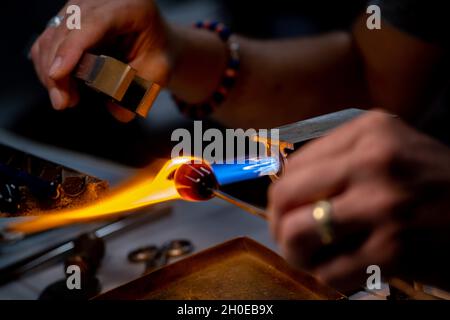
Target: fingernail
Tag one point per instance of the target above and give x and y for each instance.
(56, 98)
(55, 67)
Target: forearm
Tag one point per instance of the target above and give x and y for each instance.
(279, 81)
(288, 80)
(403, 72)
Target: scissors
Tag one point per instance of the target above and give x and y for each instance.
(155, 257)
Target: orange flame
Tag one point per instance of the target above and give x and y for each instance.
(139, 192)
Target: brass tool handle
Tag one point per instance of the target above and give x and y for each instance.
(119, 81)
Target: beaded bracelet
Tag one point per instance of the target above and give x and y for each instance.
(203, 109)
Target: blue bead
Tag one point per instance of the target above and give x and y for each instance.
(213, 26)
(234, 63)
(218, 97)
(205, 109)
(228, 82)
(225, 34)
(192, 112)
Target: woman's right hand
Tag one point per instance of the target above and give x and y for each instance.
(133, 28)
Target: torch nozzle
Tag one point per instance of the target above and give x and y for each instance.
(198, 182)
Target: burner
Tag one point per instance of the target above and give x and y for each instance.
(30, 186)
(10, 197)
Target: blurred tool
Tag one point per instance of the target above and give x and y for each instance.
(39, 187)
(155, 257)
(119, 81)
(9, 196)
(87, 254)
(30, 185)
(58, 252)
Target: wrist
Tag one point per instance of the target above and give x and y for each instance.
(197, 61)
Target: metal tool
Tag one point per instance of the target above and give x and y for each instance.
(155, 257)
(259, 212)
(87, 255)
(295, 134)
(143, 254)
(119, 81)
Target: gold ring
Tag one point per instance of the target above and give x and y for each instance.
(322, 213)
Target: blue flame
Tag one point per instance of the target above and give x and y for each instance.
(251, 169)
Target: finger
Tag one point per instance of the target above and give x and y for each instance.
(344, 273)
(59, 96)
(62, 92)
(349, 271)
(120, 113)
(73, 93)
(325, 176)
(50, 41)
(300, 238)
(73, 46)
(315, 182)
(336, 142)
(297, 237)
(44, 41)
(59, 34)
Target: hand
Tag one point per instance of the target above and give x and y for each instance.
(389, 187)
(132, 27)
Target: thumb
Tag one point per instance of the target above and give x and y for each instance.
(120, 113)
(72, 48)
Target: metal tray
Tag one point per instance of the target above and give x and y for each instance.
(239, 269)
